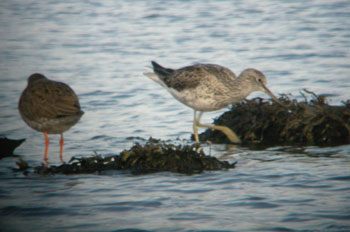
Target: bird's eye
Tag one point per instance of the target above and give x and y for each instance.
(260, 80)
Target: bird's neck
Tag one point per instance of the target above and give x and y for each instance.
(240, 89)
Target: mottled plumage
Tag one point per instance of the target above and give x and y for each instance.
(209, 87)
(49, 106)
(187, 77)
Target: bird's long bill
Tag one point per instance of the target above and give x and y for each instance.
(268, 92)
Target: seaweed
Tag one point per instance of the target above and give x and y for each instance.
(154, 156)
(303, 123)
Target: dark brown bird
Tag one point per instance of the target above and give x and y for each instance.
(50, 107)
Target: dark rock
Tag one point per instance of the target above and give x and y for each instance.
(7, 146)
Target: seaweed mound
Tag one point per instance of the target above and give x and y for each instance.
(143, 159)
(305, 123)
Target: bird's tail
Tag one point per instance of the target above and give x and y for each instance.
(160, 70)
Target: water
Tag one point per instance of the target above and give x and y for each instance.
(101, 50)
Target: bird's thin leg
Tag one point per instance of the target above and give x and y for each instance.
(195, 128)
(61, 148)
(196, 123)
(47, 143)
(227, 131)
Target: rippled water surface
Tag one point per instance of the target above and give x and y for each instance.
(101, 49)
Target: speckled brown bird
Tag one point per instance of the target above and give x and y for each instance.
(50, 107)
(209, 87)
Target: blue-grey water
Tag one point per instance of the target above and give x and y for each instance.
(101, 49)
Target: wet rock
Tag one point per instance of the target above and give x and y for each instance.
(304, 123)
(154, 156)
(7, 146)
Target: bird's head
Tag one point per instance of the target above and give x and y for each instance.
(258, 82)
(35, 78)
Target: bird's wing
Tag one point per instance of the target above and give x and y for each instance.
(220, 72)
(50, 100)
(192, 76)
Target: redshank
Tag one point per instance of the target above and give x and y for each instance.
(50, 107)
(209, 87)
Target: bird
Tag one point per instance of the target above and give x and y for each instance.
(209, 87)
(50, 107)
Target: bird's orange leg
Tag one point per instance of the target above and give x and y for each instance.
(61, 148)
(47, 143)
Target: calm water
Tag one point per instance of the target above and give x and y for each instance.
(101, 50)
